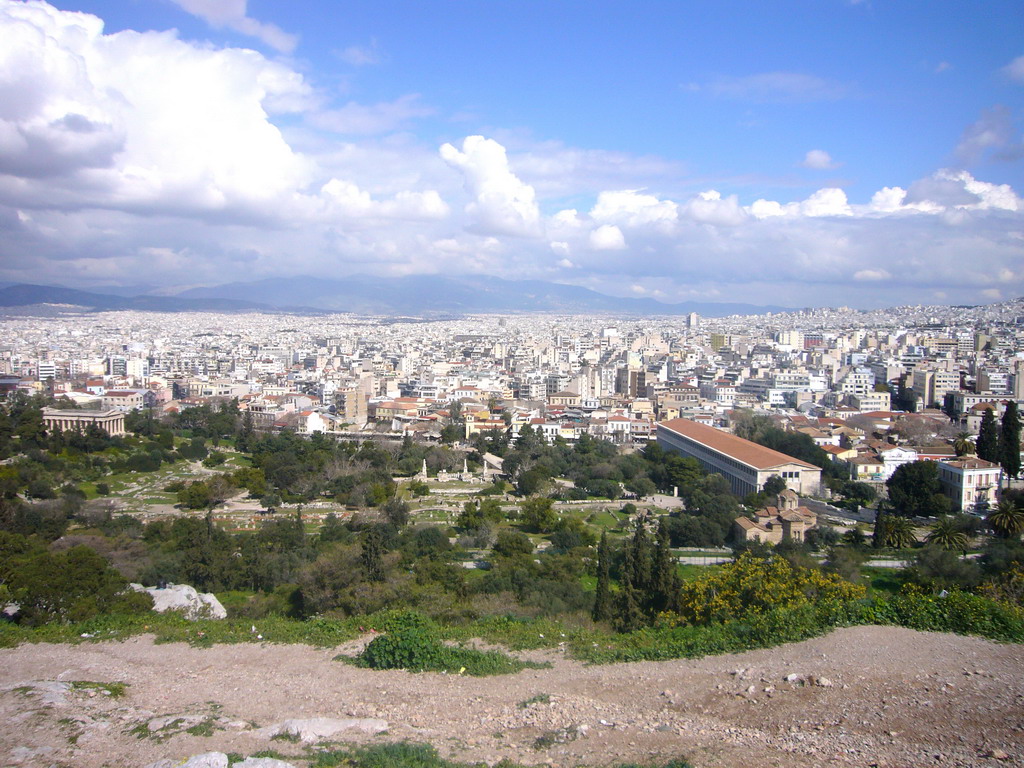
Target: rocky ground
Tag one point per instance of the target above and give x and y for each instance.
(864, 696)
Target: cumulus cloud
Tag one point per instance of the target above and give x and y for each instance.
(779, 87)
(607, 237)
(829, 201)
(346, 199)
(232, 14)
(502, 203)
(951, 190)
(137, 120)
(633, 208)
(710, 208)
(819, 160)
(826, 202)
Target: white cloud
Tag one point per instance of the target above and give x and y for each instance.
(231, 14)
(607, 237)
(366, 119)
(568, 218)
(942, 66)
(502, 204)
(346, 199)
(632, 208)
(1015, 69)
(361, 55)
(710, 208)
(819, 160)
(138, 120)
(826, 202)
(779, 87)
(871, 275)
(765, 209)
(991, 136)
(952, 190)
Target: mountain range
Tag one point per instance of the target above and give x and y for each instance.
(412, 295)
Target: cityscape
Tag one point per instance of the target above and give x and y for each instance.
(518, 385)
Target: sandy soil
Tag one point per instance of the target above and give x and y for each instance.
(867, 696)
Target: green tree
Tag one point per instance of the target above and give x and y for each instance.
(603, 597)
(664, 576)
(894, 531)
(1007, 519)
(988, 437)
(537, 514)
(372, 556)
(914, 490)
(636, 570)
(963, 444)
(946, 534)
(1009, 441)
(773, 486)
(630, 616)
(513, 544)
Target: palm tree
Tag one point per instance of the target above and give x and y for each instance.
(946, 535)
(963, 444)
(1007, 519)
(899, 532)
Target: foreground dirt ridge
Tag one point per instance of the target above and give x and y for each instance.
(862, 696)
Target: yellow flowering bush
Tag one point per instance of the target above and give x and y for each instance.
(753, 585)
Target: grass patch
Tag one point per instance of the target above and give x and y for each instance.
(883, 580)
(540, 698)
(205, 728)
(113, 690)
(406, 755)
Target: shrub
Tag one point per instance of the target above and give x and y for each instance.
(419, 649)
(752, 585)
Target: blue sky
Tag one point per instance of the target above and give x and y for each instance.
(800, 153)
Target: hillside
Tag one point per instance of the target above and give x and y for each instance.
(867, 696)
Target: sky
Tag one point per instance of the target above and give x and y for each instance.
(798, 153)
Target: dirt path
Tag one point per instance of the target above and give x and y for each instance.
(869, 696)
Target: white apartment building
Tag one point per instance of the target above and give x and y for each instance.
(970, 483)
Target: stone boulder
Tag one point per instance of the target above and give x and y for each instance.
(220, 760)
(317, 729)
(181, 597)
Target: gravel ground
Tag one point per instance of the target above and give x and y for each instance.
(863, 696)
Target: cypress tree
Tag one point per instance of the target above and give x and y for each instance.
(664, 577)
(603, 599)
(372, 556)
(630, 616)
(1009, 441)
(638, 560)
(880, 536)
(988, 437)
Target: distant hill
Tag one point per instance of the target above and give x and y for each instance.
(23, 295)
(430, 294)
(364, 294)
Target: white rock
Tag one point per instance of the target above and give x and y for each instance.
(181, 597)
(205, 760)
(320, 728)
(262, 762)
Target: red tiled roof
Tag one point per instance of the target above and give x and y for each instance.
(743, 451)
